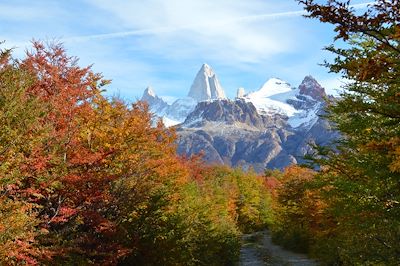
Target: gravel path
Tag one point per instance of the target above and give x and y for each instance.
(258, 250)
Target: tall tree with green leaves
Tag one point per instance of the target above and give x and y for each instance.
(362, 177)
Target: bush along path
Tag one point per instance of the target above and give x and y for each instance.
(258, 249)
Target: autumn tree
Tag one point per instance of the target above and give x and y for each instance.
(108, 177)
(19, 132)
(222, 203)
(298, 210)
(50, 170)
(363, 172)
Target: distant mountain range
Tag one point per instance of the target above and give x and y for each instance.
(272, 127)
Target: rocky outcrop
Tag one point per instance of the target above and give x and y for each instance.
(312, 88)
(226, 112)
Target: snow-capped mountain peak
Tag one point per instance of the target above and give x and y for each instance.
(300, 105)
(206, 85)
(157, 105)
(149, 94)
(207, 69)
(149, 90)
(273, 86)
(272, 98)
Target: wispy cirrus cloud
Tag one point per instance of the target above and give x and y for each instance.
(230, 32)
(163, 42)
(169, 29)
(223, 29)
(166, 29)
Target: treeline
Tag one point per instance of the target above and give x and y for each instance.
(89, 180)
(348, 213)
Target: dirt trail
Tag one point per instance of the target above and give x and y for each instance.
(258, 250)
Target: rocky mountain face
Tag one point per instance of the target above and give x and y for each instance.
(272, 127)
(231, 132)
(311, 87)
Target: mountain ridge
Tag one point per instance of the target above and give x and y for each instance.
(272, 127)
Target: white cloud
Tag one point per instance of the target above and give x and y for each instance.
(227, 31)
(224, 30)
(204, 25)
(163, 42)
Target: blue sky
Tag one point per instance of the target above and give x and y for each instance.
(163, 43)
